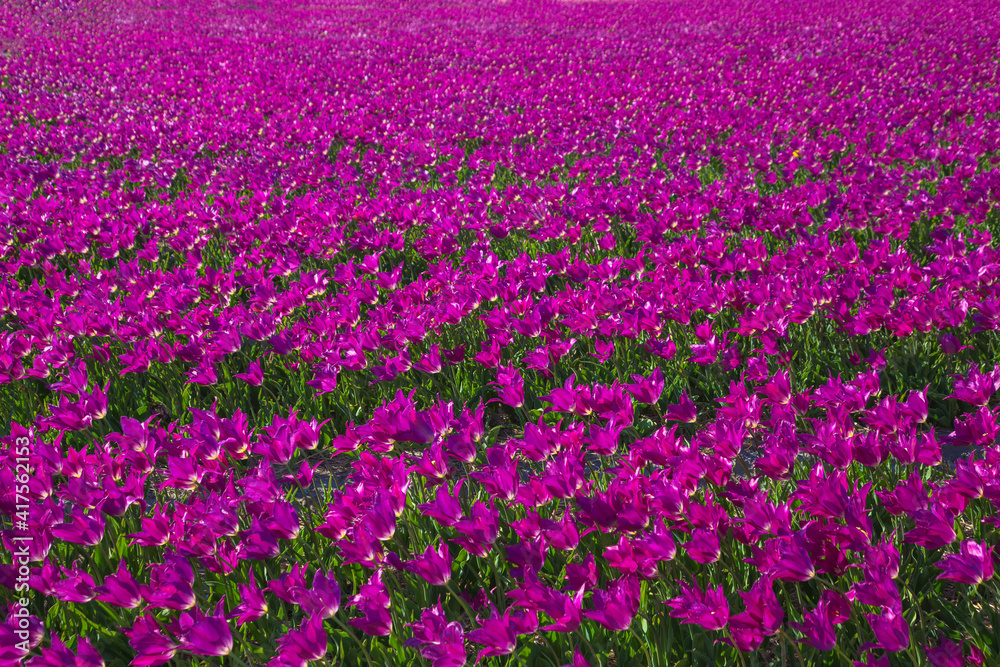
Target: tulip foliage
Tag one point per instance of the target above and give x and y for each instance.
(537, 333)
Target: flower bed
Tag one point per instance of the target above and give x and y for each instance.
(526, 333)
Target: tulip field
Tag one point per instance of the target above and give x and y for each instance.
(535, 333)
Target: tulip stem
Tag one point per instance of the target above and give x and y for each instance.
(461, 601)
(739, 653)
(841, 653)
(111, 612)
(795, 646)
(548, 642)
(593, 654)
(357, 641)
(238, 659)
(743, 465)
(828, 584)
(644, 644)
